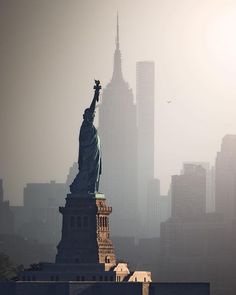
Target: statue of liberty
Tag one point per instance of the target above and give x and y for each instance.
(89, 163)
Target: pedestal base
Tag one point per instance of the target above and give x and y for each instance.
(85, 230)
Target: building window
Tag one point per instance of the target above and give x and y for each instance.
(72, 221)
(57, 278)
(107, 259)
(85, 221)
(79, 223)
(94, 278)
(52, 278)
(100, 278)
(135, 279)
(78, 278)
(111, 278)
(82, 278)
(145, 280)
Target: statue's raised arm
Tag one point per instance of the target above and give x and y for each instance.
(87, 179)
(97, 88)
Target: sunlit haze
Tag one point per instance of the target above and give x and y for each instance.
(52, 50)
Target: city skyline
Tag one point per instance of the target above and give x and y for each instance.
(118, 135)
(47, 73)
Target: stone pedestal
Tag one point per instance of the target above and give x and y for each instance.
(85, 252)
(85, 231)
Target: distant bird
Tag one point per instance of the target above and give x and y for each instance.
(169, 101)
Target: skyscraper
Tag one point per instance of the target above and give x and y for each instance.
(188, 192)
(118, 133)
(145, 97)
(210, 184)
(225, 178)
(152, 219)
(1, 191)
(6, 215)
(41, 202)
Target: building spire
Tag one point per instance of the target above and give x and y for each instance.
(117, 72)
(117, 32)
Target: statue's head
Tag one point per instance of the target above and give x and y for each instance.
(88, 115)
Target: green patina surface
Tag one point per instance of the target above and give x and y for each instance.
(99, 196)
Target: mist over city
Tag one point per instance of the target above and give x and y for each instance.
(155, 80)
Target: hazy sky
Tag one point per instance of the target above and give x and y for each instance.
(52, 49)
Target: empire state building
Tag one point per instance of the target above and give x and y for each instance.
(118, 132)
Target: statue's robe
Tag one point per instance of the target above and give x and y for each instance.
(87, 180)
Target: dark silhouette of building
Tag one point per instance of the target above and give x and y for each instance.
(21, 250)
(210, 189)
(25, 251)
(153, 195)
(145, 99)
(195, 245)
(126, 250)
(118, 133)
(163, 210)
(188, 192)
(210, 184)
(225, 178)
(71, 175)
(40, 210)
(1, 191)
(198, 249)
(149, 246)
(44, 195)
(6, 215)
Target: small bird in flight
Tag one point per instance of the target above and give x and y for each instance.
(169, 101)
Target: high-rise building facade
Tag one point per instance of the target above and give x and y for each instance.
(152, 220)
(1, 191)
(41, 202)
(6, 215)
(225, 178)
(118, 133)
(145, 98)
(188, 192)
(210, 184)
